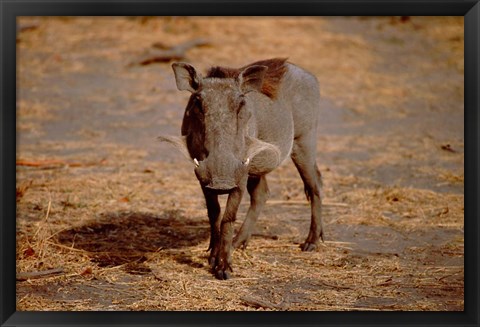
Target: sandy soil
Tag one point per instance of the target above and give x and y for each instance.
(123, 219)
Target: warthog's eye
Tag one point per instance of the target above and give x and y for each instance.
(241, 103)
(243, 113)
(197, 100)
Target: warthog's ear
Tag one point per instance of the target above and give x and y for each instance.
(186, 76)
(251, 78)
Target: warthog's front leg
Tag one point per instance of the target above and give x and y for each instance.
(258, 190)
(213, 209)
(222, 263)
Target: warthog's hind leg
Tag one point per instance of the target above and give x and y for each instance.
(303, 155)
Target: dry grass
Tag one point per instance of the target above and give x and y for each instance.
(130, 232)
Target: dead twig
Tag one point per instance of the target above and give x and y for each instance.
(305, 203)
(27, 27)
(447, 147)
(68, 248)
(162, 53)
(22, 189)
(23, 276)
(56, 163)
(273, 246)
(259, 303)
(267, 236)
(336, 286)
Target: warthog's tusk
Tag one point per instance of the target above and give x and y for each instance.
(247, 161)
(195, 161)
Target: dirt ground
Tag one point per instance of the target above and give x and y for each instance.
(121, 219)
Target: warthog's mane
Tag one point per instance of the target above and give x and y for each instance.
(273, 76)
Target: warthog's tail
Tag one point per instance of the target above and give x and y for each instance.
(180, 143)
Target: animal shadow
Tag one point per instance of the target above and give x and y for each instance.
(125, 238)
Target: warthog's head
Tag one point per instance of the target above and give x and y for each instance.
(218, 128)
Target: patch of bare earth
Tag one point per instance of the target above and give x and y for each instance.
(110, 219)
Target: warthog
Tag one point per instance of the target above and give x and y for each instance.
(239, 125)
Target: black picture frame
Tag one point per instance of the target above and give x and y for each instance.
(11, 9)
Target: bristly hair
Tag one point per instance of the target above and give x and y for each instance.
(273, 76)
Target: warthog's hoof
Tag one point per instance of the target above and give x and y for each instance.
(222, 271)
(307, 246)
(220, 268)
(222, 274)
(240, 243)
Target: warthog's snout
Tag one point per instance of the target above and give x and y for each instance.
(221, 185)
(220, 174)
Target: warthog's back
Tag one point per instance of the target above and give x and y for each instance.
(299, 90)
(291, 113)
